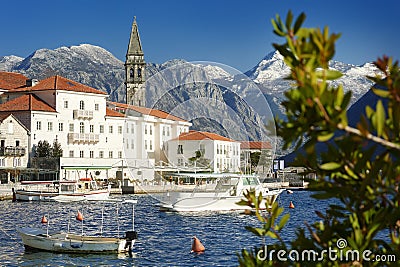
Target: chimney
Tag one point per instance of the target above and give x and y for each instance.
(31, 82)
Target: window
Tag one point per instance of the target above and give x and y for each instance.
(91, 128)
(81, 127)
(91, 154)
(180, 149)
(39, 125)
(71, 127)
(167, 131)
(127, 143)
(10, 127)
(60, 126)
(71, 153)
(81, 154)
(96, 106)
(81, 105)
(101, 129)
(17, 142)
(139, 72)
(120, 129)
(127, 128)
(132, 128)
(49, 126)
(120, 154)
(131, 73)
(110, 129)
(2, 162)
(17, 162)
(110, 154)
(163, 130)
(101, 154)
(151, 145)
(151, 130)
(145, 129)
(65, 104)
(132, 144)
(145, 144)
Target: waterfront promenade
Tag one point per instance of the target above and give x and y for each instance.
(6, 189)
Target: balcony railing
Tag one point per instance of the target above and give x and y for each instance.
(83, 114)
(83, 138)
(11, 151)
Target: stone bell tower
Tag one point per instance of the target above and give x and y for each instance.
(135, 67)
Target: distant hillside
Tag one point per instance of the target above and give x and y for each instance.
(243, 97)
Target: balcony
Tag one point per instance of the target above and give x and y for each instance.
(85, 138)
(83, 114)
(12, 151)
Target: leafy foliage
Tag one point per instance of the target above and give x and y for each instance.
(361, 165)
(45, 150)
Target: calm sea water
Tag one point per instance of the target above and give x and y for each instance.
(164, 238)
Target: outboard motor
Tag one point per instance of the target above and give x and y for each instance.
(130, 236)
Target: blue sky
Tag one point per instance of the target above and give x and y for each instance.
(235, 33)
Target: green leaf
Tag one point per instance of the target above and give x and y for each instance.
(329, 74)
(380, 118)
(330, 166)
(299, 21)
(256, 231)
(381, 93)
(283, 221)
(325, 137)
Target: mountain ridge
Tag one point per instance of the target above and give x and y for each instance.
(264, 83)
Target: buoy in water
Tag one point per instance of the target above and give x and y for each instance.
(44, 219)
(289, 191)
(197, 246)
(79, 216)
(291, 205)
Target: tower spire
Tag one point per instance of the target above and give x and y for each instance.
(135, 69)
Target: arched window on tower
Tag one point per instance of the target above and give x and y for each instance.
(132, 73)
(139, 72)
(81, 105)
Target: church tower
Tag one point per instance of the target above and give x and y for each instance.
(135, 67)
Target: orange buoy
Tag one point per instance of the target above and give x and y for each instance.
(44, 219)
(79, 216)
(197, 246)
(291, 205)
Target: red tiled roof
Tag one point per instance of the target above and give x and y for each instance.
(12, 80)
(113, 113)
(148, 111)
(196, 135)
(26, 102)
(255, 145)
(60, 83)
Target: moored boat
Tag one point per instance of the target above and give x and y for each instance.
(67, 242)
(228, 191)
(64, 190)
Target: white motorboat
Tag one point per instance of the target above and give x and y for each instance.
(64, 191)
(229, 189)
(67, 242)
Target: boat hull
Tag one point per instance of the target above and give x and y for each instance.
(38, 239)
(26, 195)
(208, 201)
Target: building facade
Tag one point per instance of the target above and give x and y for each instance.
(196, 150)
(99, 139)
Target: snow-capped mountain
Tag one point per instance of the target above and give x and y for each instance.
(7, 62)
(270, 72)
(265, 83)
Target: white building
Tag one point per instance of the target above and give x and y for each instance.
(204, 150)
(14, 141)
(97, 140)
